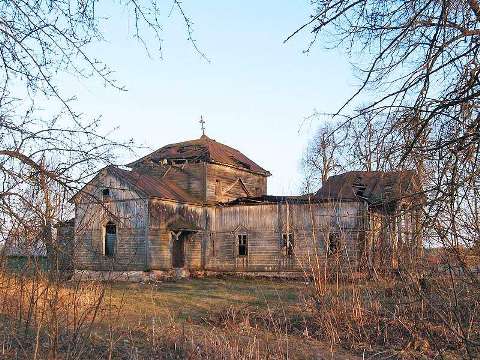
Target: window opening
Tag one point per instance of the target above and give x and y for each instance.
(110, 239)
(242, 245)
(333, 243)
(288, 244)
(106, 194)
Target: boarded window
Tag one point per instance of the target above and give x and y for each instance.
(333, 243)
(288, 244)
(218, 187)
(242, 245)
(110, 239)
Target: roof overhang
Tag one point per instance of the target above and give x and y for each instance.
(181, 224)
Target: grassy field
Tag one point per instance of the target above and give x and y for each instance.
(214, 318)
(210, 318)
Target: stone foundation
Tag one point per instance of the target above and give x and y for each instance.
(175, 274)
(123, 276)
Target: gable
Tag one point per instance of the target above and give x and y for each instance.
(126, 185)
(119, 189)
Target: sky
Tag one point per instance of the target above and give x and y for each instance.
(254, 94)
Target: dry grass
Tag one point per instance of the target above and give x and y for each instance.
(41, 316)
(401, 318)
(238, 319)
(201, 318)
(218, 319)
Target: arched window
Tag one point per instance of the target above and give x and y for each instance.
(110, 239)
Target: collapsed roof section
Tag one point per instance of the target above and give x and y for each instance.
(378, 188)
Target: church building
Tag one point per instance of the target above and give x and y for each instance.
(200, 205)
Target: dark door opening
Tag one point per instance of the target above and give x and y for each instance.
(178, 250)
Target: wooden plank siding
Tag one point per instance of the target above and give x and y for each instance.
(222, 183)
(144, 236)
(127, 210)
(264, 224)
(145, 242)
(160, 240)
(191, 177)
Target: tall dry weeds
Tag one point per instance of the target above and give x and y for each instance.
(43, 318)
(404, 316)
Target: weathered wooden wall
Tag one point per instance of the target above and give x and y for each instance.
(210, 182)
(144, 235)
(65, 246)
(264, 224)
(127, 209)
(222, 183)
(393, 240)
(160, 238)
(190, 176)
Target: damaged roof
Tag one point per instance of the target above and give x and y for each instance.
(376, 187)
(154, 187)
(202, 150)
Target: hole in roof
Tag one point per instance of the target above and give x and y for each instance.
(186, 148)
(241, 163)
(359, 186)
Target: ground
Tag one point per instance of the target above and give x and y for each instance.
(44, 317)
(236, 317)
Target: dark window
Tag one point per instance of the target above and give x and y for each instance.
(106, 194)
(212, 239)
(288, 244)
(333, 243)
(242, 245)
(110, 239)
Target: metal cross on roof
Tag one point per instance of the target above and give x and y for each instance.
(202, 123)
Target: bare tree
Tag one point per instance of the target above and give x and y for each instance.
(419, 62)
(45, 158)
(322, 157)
(342, 145)
(48, 152)
(418, 65)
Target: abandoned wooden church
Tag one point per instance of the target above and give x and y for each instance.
(201, 205)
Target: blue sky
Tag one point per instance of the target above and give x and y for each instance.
(254, 94)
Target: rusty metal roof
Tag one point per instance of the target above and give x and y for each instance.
(154, 187)
(202, 150)
(375, 187)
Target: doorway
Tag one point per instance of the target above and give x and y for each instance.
(178, 249)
